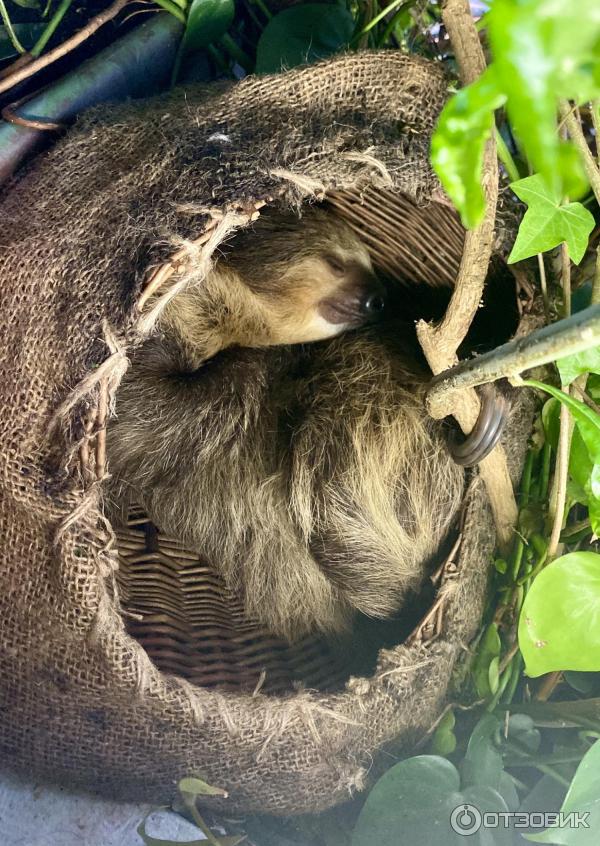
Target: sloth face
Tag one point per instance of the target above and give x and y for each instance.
(311, 275)
(324, 295)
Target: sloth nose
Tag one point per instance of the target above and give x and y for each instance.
(373, 305)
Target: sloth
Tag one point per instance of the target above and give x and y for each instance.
(308, 474)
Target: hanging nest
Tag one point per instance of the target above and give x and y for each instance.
(125, 664)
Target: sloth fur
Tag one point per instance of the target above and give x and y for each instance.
(309, 475)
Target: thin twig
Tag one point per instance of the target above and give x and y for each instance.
(559, 487)
(544, 285)
(440, 343)
(549, 684)
(24, 72)
(595, 111)
(596, 282)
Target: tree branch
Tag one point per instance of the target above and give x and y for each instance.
(440, 343)
(565, 337)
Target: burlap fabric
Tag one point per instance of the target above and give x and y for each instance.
(80, 701)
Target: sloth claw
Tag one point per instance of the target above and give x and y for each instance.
(487, 430)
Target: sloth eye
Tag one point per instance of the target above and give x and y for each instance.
(336, 264)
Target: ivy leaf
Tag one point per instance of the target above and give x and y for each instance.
(559, 626)
(458, 144)
(303, 34)
(583, 797)
(572, 366)
(207, 21)
(547, 223)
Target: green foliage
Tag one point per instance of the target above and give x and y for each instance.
(27, 33)
(303, 34)
(190, 788)
(465, 125)
(572, 366)
(443, 741)
(559, 628)
(582, 797)
(548, 222)
(485, 665)
(414, 802)
(541, 52)
(207, 21)
(584, 464)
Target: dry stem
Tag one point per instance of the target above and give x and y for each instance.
(576, 132)
(441, 342)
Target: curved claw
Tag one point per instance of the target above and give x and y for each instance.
(487, 430)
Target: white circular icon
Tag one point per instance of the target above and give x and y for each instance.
(466, 819)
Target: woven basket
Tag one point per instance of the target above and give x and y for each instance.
(186, 619)
(124, 663)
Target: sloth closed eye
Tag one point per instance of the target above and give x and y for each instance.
(336, 264)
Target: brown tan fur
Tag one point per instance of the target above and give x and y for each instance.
(310, 475)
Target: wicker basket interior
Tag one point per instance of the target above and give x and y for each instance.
(178, 608)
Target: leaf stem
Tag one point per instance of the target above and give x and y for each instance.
(264, 8)
(506, 158)
(236, 52)
(9, 29)
(559, 492)
(173, 9)
(545, 471)
(374, 21)
(542, 767)
(544, 285)
(49, 31)
(190, 804)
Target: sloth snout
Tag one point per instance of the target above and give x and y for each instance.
(372, 299)
(373, 305)
(356, 303)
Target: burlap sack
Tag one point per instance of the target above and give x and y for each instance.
(123, 193)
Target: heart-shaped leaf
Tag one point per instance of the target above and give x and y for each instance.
(583, 801)
(559, 626)
(303, 34)
(419, 801)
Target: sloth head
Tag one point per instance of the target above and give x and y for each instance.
(310, 277)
